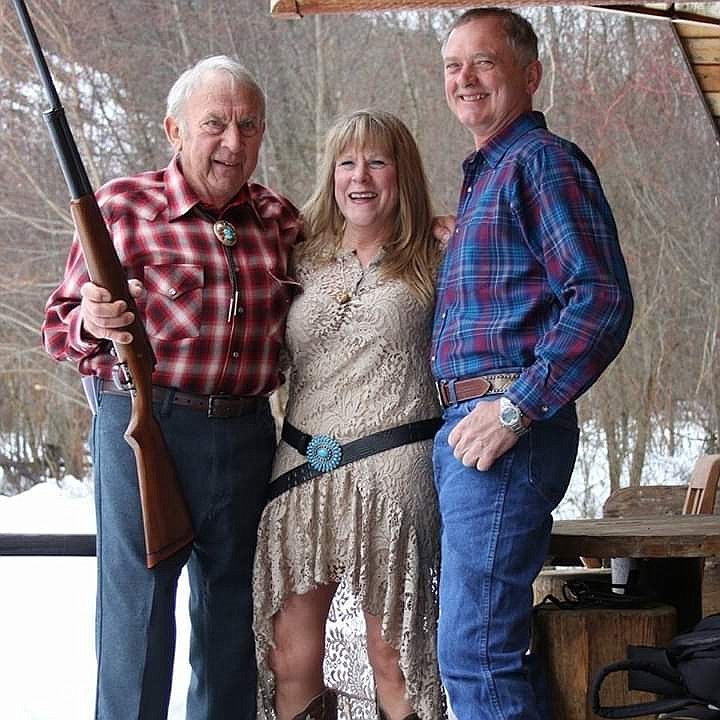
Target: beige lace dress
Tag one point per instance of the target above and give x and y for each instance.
(357, 367)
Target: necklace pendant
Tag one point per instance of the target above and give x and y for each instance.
(225, 232)
(343, 297)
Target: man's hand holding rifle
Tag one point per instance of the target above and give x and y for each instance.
(105, 318)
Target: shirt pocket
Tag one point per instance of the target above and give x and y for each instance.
(173, 304)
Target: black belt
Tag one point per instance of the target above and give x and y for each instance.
(215, 406)
(325, 453)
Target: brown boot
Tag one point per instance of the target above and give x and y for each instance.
(322, 707)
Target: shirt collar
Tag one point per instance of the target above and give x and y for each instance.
(181, 199)
(495, 149)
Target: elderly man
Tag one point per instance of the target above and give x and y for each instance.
(211, 251)
(533, 302)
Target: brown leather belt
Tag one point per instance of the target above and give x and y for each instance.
(216, 406)
(451, 392)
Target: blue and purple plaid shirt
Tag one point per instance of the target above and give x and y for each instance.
(533, 278)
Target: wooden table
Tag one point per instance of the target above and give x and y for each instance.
(664, 536)
(669, 549)
(576, 643)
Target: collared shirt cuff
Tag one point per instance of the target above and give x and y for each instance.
(536, 403)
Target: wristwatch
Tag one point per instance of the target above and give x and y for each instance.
(511, 416)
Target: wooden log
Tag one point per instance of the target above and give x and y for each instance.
(575, 644)
(551, 580)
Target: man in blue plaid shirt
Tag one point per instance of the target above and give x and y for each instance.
(533, 303)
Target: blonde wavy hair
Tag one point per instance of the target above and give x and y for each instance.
(411, 253)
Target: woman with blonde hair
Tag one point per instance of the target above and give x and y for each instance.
(352, 499)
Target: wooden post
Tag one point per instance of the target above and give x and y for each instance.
(576, 643)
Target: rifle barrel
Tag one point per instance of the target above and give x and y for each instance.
(62, 138)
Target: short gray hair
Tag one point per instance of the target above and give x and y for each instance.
(518, 31)
(191, 78)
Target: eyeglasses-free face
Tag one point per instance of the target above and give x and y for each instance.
(218, 138)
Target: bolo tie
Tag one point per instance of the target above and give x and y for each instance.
(227, 236)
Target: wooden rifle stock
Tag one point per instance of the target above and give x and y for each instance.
(166, 519)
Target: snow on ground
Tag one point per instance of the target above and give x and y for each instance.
(47, 607)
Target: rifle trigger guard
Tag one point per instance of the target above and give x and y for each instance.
(121, 377)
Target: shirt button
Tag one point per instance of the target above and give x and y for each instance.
(432, 358)
(444, 314)
(236, 354)
(545, 408)
(172, 292)
(469, 190)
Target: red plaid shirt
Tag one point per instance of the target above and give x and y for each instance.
(164, 243)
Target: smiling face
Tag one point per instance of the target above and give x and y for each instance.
(218, 137)
(485, 87)
(366, 193)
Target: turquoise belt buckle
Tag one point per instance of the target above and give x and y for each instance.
(323, 453)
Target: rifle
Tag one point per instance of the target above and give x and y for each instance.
(166, 519)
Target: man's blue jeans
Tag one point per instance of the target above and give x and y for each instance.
(223, 465)
(495, 534)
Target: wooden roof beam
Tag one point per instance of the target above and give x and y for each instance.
(658, 13)
(301, 8)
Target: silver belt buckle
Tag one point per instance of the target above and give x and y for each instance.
(438, 391)
(211, 407)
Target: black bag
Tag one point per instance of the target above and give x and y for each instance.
(687, 673)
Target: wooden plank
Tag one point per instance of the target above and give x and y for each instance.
(713, 101)
(705, 51)
(708, 77)
(300, 8)
(693, 30)
(647, 537)
(14, 544)
(688, 15)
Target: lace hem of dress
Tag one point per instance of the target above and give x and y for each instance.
(385, 563)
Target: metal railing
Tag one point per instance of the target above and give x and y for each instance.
(78, 545)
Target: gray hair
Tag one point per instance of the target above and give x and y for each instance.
(191, 78)
(518, 31)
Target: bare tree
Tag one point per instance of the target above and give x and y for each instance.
(616, 85)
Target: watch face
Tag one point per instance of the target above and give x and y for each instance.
(509, 415)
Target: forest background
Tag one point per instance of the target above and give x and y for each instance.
(616, 85)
